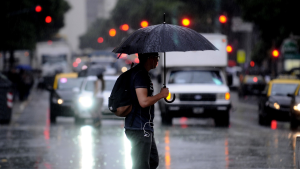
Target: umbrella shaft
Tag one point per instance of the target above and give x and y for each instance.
(164, 68)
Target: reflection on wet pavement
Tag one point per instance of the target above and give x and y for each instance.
(187, 144)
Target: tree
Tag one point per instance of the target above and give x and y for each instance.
(276, 20)
(21, 26)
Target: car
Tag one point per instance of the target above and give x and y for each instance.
(64, 89)
(86, 105)
(6, 99)
(295, 108)
(109, 84)
(274, 103)
(251, 85)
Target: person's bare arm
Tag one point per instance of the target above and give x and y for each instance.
(146, 101)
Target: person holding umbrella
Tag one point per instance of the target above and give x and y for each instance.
(139, 122)
(147, 42)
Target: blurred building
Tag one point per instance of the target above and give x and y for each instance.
(81, 16)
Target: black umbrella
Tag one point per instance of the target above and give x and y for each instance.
(164, 38)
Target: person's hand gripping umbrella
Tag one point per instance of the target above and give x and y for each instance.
(164, 38)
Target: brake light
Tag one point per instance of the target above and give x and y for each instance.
(255, 79)
(227, 96)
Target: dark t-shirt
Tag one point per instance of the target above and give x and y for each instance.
(143, 119)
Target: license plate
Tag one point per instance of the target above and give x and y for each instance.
(198, 110)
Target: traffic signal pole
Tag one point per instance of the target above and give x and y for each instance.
(217, 22)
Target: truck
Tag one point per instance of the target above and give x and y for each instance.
(52, 57)
(198, 81)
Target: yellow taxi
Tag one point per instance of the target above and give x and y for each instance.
(65, 88)
(275, 100)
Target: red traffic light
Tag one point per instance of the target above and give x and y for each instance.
(185, 22)
(252, 64)
(100, 40)
(229, 49)
(38, 8)
(144, 24)
(48, 19)
(223, 19)
(112, 32)
(124, 27)
(275, 53)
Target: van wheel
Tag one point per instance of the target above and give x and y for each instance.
(222, 120)
(166, 119)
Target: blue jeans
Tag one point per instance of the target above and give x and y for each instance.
(144, 153)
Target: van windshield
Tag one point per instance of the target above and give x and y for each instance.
(195, 76)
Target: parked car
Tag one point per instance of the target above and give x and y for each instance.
(275, 101)
(87, 105)
(6, 99)
(64, 90)
(251, 85)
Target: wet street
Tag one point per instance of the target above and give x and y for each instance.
(30, 141)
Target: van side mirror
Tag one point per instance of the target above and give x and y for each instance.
(158, 78)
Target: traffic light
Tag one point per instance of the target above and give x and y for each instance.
(252, 64)
(223, 19)
(275, 53)
(144, 24)
(185, 22)
(38, 8)
(100, 40)
(124, 27)
(112, 32)
(48, 19)
(229, 49)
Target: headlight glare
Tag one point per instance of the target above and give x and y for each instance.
(274, 105)
(297, 107)
(60, 101)
(85, 101)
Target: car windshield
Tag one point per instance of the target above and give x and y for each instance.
(69, 83)
(195, 76)
(109, 84)
(283, 88)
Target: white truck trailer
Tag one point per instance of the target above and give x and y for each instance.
(198, 80)
(52, 57)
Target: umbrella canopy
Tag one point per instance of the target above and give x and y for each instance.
(164, 38)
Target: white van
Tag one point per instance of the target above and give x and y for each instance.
(198, 81)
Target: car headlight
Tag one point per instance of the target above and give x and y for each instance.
(297, 107)
(274, 105)
(223, 96)
(57, 100)
(85, 101)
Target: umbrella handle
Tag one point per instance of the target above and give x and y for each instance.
(174, 97)
(171, 100)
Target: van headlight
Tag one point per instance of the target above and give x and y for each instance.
(85, 101)
(223, 96)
